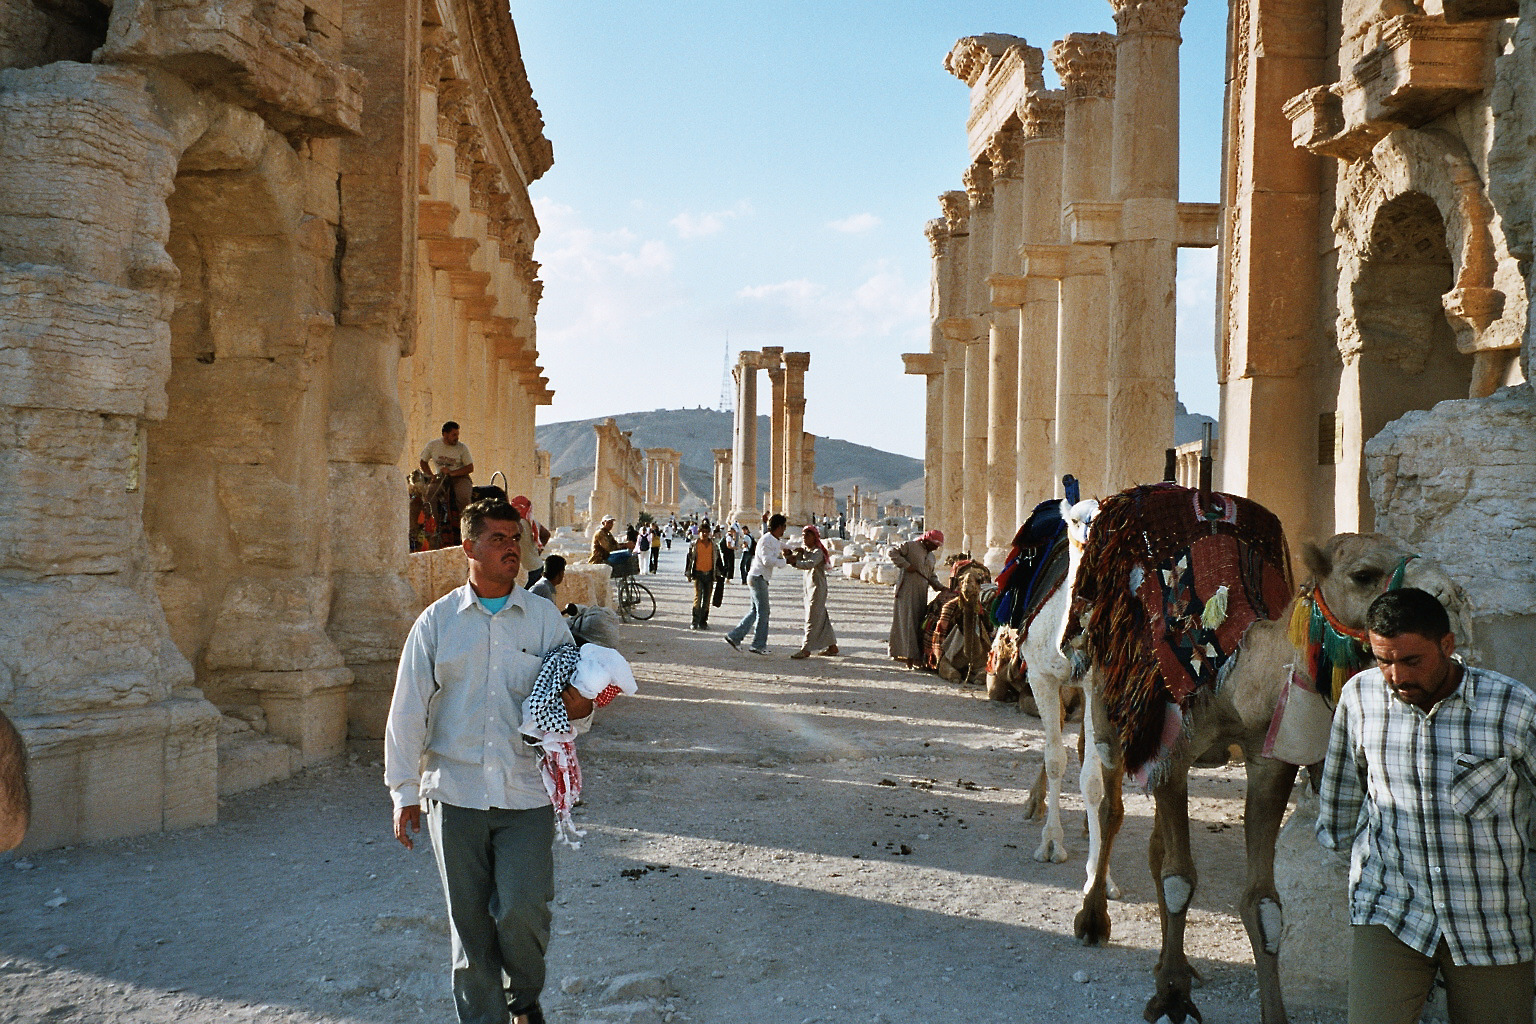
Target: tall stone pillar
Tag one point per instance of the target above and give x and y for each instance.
(1144, 181)
(720, 508)
(978, 306)
(1004, 153)
(808, 474)
(931, 366)
(795, 504)
(744, 440)
(1085, 62)
(954, 332)
(1035, 468)
(773, 362)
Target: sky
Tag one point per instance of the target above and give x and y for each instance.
(731, 175)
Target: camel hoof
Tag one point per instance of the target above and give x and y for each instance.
(1092, 926)
(1174, 1007)
(1111, 889)
(1051, 850)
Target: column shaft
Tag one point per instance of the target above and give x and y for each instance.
(744, 447)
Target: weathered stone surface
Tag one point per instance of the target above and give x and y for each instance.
(1313, 884)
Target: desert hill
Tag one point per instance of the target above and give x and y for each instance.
(696, 432)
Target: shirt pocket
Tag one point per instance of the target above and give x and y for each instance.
(1482, 788)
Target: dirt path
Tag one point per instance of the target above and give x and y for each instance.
(768, 840)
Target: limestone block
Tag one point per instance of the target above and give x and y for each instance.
(434, 573)
(61, 459)
(887, 574)
(369, 506)
(373, 685)
(365, 422)
(114, 773)
(77, 643)
(1459, 480)
(370, 615)
(1313, 884)
(249, 53)
(586, 584)
(266, 517)
(69, 342)
(274, 625)
(248, 760)
(85, 165)
(853, 569)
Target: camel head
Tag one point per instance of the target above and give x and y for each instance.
(1079, 518)
(1353, 569)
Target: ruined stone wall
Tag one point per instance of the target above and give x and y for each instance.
(207, 256)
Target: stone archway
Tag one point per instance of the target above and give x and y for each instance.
(235, 503)
(1404, 350)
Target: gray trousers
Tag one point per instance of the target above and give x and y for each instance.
(498, 874)
(1389, 982)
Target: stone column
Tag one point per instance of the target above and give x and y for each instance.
(808, 475)
(720, 510)
(978, 306)
(1004, 153)
(773, 362)
(1085, 61)
(744, 440)
(957, 212)
(1144, 181)
(1036, 476)
(795, 365)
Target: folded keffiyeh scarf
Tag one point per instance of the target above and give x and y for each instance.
(597, 673)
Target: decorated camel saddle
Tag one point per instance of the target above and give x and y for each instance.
(1036, 567)
(956, 629)
(1170, 581)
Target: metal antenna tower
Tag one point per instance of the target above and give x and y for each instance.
(725, 375)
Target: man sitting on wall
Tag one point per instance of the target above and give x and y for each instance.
(445, 456)
(604, 543)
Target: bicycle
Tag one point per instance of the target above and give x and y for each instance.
(635, 600)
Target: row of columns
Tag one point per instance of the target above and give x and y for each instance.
(617, 475)
(661, 480)
(791, 451)
(1053, 332)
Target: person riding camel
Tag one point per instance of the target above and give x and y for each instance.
(446, 457)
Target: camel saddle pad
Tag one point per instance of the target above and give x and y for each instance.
(1036, 566)
(1170, 581)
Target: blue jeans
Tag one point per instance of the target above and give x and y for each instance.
(758, 614)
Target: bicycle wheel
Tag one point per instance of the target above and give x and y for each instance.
(642, 603)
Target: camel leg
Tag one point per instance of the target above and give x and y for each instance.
(1091, 779)
(1269, 790)
(1101, 793)
(1053, 841)
(1174, 871)
(1034, 803)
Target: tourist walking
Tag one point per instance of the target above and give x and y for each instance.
(768, 556)
(812, 559)
(702, 566)
(1442, 758)
(474, 656)
(728, 547)
(748, 549)
(915, 560)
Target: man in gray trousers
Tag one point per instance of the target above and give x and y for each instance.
(452, 746)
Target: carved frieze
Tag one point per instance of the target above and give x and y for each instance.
(970, 57)
(1085, 61)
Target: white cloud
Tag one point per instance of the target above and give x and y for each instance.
(882, 305)
(856, 224)
(702, 225)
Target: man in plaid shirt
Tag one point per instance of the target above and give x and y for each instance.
(1429, 781)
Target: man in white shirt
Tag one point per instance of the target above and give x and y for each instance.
(445, 456)
(769, 554)
(452, 745)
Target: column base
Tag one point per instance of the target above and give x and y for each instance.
(994, 560)
(306, 709)
(121, 772)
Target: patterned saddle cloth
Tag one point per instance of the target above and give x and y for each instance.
(1170, 581)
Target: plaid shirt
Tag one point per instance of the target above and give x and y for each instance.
(1437, 809)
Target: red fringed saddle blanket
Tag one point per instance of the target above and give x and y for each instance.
(1170, 581)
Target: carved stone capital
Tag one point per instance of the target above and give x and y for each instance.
(1148, 17)
(452, 106)
(971, 56)
(937, 232)
(1086, 63)
(1005, 151)
(438, 45)
(1044, 114)
(978, 183)
(957, 212)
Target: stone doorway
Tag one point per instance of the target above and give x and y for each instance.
(235, 504)
(1405, 355)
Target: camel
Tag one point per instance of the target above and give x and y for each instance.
(1348, 573)
(1048, 674)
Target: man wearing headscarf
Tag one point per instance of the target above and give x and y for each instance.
(813, 559)
(915, 560)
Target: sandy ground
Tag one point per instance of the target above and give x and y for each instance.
(769, 840)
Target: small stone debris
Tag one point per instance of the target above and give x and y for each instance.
(629, 987)
(574, 985)
(887, 782)
(922, 783)
(1081, 977)
(717, 974)
(23, 865)
(56, 902)
(55, 952)
(905, 850)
